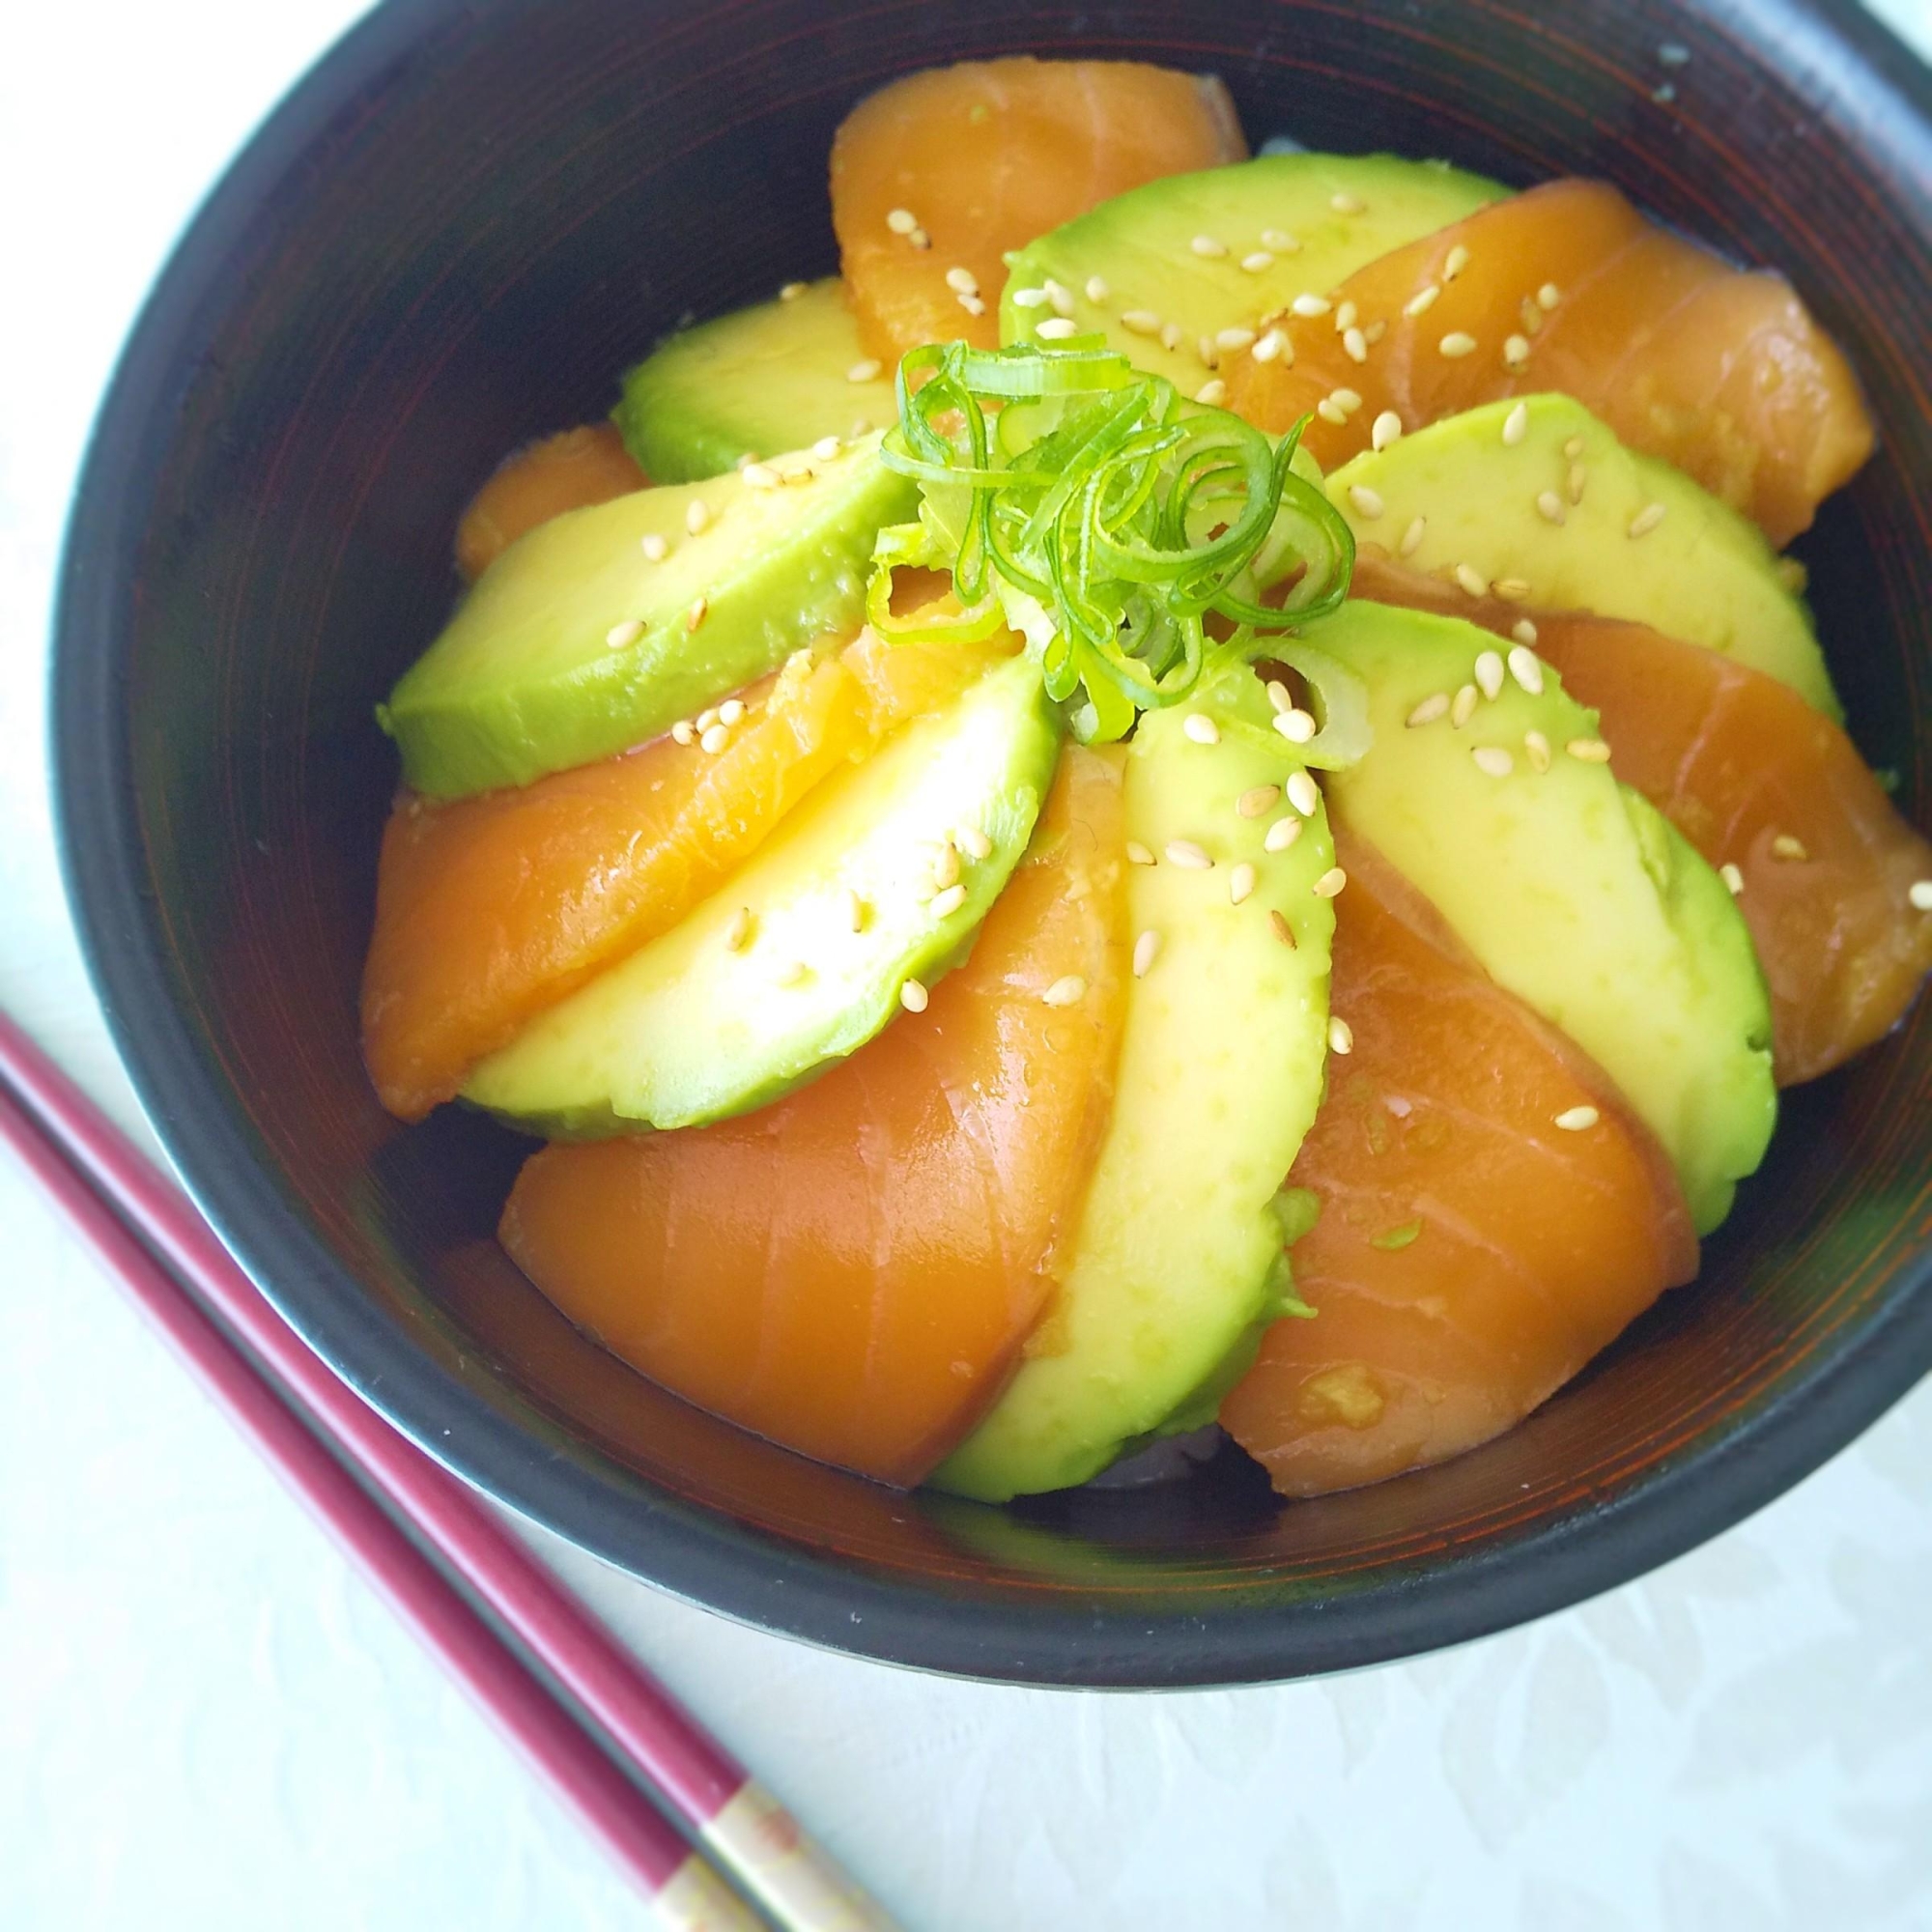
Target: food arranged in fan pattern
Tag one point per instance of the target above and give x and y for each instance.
(1197, 791)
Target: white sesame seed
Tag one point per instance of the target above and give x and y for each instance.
(791, 291)
(920, 239)
(698, 516)
(948, 900)
(1146, 949)
(1279, 696)
(1516, 350)
(684, 731)
(1209, 354)
(1055, 329)
(1458, 343)
(1138, 321)
(1341, 1036)
(1030, 298)
(1276, 347)
(1785, 847)
(1310, 305)
(1257, 801)
(826, 448)
(1457, 260)
(1411, 538)
(1190, 857)
(1422, 300)
(861, 426)
(1549, 507)
(1303, 794)
(1918, 895)
(1646, 519)
(1213, 393)
(1464, 706)
(731, 711)
(1097, 290)
(1512, 589)
(1240, 882)
(901, 220)
(1490, 673)
(1331, 412)
(1256, 262)
(789, 974)
(739, 931)
(1280, 240)
(1589, 751)
(1171, 335)
(1348, 400)
(1573, 448)
(1374, 332)
(1385, 430)
(1297, 727)
(1344, 203)
(1473, 579)
(1527, 668)
(1436, 705)
(1233, 339)
(707, 718)
(619, 636)
(1330, 883)
(1524, 631)
(700, 607)
(945, 865)
(855, 910)
(1346, 315)
(1281, 835)
(1548, 297)
(974, 842)
(1278, 924)
(1367, 501)
(1530, 315)
(655, 548)
(1068, 991)
(1579, 476)
(1138, 853)
(1516, 425)
(1200, 728)
(1537, 748)
(1493, 760)
(1354, 345)
(760, 476)
(1060, 295)
(1575, 1119)
(1733, 880)
(714, 740)
(866, 371)
(913, 996)
(972, 304)
(1209, 248)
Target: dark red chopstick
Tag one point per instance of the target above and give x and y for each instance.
(733, 1818)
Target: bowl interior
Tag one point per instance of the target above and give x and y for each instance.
(451, 239)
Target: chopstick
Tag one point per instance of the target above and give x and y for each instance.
(113, 1195)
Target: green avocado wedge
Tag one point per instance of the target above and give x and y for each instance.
(578, 644)
(803, 956)
(1570, 890)
(774, 377)
(1306, 221)
(1176, 1263)
(1583, 524)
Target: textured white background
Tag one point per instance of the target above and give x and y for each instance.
(205, 1723)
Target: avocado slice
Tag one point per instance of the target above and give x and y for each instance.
(1340, 211)
(575, 644)
(1583, 524)
(1569, 889)
(1177, 1261)
(776, 375)
(692, 1027)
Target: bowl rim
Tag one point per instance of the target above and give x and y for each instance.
(753, 1575)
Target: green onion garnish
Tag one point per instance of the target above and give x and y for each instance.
(1129, 534)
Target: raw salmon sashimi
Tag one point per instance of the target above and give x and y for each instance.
(1826, 867)
(490, 909)
(1491, 1213)
(1567, 287)
(569, 472)
(852, 1270)
(936, 178)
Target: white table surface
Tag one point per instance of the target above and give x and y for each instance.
(208, 1723)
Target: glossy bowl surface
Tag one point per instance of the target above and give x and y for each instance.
(449, 238)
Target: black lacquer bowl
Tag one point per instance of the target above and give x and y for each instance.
(450, 238)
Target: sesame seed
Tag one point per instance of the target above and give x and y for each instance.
(731, 711)
(1341, 1036)
(1575, 1119)
(1330, 411)
(1590, 750)
(1344, 203)
(1171, 335)
(1278, 924)
(1918, 895)
(1516, 350)
(1579, 476)
(1200, 728)
(789, 974)
(707, 718)
(913, 996)
(1329, 883)
(684, 733)
(1208, 247)
(947, 903)
(1411, 538)
(1240, 882)
(698, 516)
(699, 608)
(1257, 261)
(901, 220)
(1209, 354)
(1646, 519)
(1213, 393)
(1280, 240)
(1512, 589)
(1493, 760)
(972, 305)
(1310, 305)
(1368, 501)
(1473, 579)
(739, 932)
(1374, 332)
(1385, 430)
(1527, 668)
(1490, 673)
(1346, 399)
(1523, 632)
(1279, 696)
(1530, 315)
(861, 426)
(1257, 800)
(1055, 329)
(1354, 345)
(1422, 300)
(1537, 748)
(1060, 295)
(920, 239)
(1068, 991)
(1549, 507)
(1733, 880)
(1302, 794)
(1436, 705)
(655, 548)
(1030, 298)
(1462, 708)
(1516, 425)
(826, 448)
(1297, 727)
(946, 866)
(1281, 835)
(1138, 853)
(855, 910)
(1231, 339)
(1146, 949)
(974, 842)
(1548, 297)
(1458, 342)
(1138, 320)
(1457, 260)
(1184, 853)
(618, 636)
(1276, 347)
(1785, 847)
(714, 740)
(791, 291)
(865, 371)
(1097, 290)
(760, 476)
(1346, 316)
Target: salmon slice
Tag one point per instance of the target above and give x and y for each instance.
(1470, 1255)
(570, 472)
(1754, 779)
(490, 909)
(942, 174)
(1568, 288)
(852, 1270)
